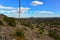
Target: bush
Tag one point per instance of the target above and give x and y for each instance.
(41, 30)
(25, 23)
(37, 26)
(53, 33)
(19, 34)
(10, 21)
(1, 23)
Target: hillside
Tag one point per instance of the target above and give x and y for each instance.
(29, 28)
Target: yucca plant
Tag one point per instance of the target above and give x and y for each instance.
(19, 34)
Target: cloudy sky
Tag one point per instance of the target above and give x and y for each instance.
(30, 8)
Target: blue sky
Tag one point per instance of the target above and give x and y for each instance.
(30, 8)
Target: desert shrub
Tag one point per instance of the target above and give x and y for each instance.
(19, 34)
(1, 23)
(27, 24)
(41, 30)
(37, 26)
(10, 21)
(32, 27)
(53, 33)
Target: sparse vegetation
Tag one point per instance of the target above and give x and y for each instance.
(1, 22)
(19, 34)
(32, 28)
(41, 30)
(27, 24)
(37, 26)
(53, 33)
(10, 21)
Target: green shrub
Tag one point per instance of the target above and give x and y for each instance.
(10, 21)
(37, 26)
(25, 23)
(1, 23)
(41, 30)
(53, 33)
(19, 34)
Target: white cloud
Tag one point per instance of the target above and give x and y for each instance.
(24, 9)
(6, 9)
(44, 12)
(35, 3)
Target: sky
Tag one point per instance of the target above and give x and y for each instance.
(30, 8)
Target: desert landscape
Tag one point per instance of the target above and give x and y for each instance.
(29, 19)
(29, 28)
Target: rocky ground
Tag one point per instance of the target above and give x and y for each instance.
(24, 29)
